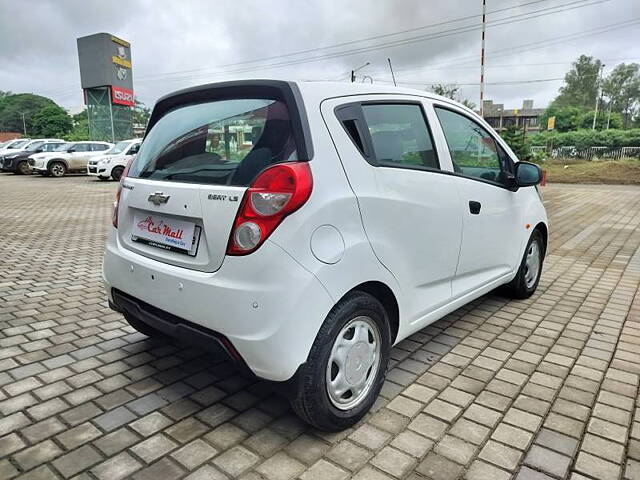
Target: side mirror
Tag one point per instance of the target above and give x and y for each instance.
(528, 174)
(38, 150)
(71, 150)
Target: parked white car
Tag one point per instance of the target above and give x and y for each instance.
(114, 161)
(72, 157)
(13, 145)
(305, 228)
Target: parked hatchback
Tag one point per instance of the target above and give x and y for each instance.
(114, 161)
(305, 228)
(73, 157)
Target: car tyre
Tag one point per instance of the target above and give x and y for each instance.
(142, 327)
(23, 168)
(57, 169)
(525, 283)
(350, 351)
(116, 173)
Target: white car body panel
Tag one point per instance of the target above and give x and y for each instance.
(408, 230)
(73, 160)
(103, 165)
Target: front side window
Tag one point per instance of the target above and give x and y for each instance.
(50, 147)
(82, 147)
(225, 142)
(18, 144)
(33, 146)
(119, 147)
(61, 147)
(474, 152)
(400, 136)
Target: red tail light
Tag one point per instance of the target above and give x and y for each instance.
(116, 203)
(277, 192)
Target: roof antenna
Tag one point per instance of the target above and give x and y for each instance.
(392, 75)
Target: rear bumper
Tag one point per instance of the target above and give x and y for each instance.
(173, 326)
(266, 305)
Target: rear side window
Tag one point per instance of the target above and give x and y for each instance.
(226, 142)
(400, 136)
(98, 147)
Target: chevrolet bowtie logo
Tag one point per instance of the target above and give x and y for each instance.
(158, 198)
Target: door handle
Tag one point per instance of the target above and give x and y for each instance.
(474, 207)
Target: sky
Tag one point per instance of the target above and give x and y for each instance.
(530, 44)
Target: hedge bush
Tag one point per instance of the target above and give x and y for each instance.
(585, 138)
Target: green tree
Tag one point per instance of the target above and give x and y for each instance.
(516, 139)
(580, 84)
(80, 127)
(51, 121)
(567, 118)
(586, 120)
(141, 113)
(5, 94)
(622, 88)
(16, 107)
(452, 91)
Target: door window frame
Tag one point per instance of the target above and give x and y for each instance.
(496, 138)
(353, 111)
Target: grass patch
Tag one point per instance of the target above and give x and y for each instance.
(625, 171)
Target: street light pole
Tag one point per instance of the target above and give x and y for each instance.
(353, 72)
(595, 112)
(484, 15)
(24, 125)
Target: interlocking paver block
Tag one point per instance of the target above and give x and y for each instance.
(116, 468)
(349, 455)
(597, 467)
(77, 461)
(114, 419)
(236, 461)
(438, 467)
(323, 470)
(194, 454)
(153, 448)
(547, 461)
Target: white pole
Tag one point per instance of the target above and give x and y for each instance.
(484, 14)
(595, 111)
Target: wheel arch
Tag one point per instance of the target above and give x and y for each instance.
(61, 160)
(385, 295)
(544, 230)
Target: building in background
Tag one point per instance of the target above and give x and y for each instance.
(499, 118)
(4, 136)
(106, 77)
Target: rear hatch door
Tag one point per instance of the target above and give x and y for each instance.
(202, 150)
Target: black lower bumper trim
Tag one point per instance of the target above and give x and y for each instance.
(174, 326)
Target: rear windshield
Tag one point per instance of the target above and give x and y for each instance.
(226, 142)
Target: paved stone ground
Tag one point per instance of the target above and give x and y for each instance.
(546, 387)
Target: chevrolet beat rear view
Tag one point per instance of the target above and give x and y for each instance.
(303, 229)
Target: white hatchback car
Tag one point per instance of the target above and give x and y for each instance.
(114, 161)
(305, 228)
